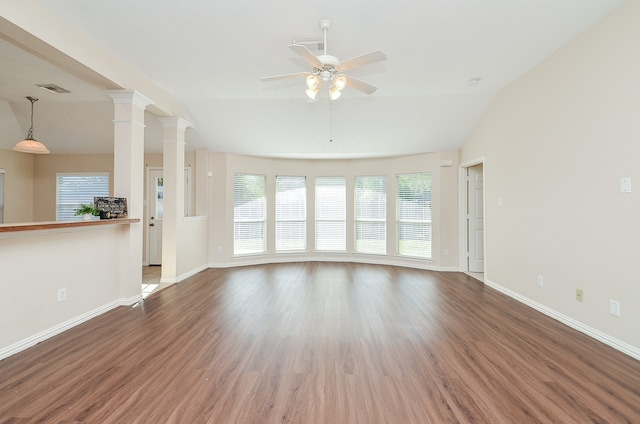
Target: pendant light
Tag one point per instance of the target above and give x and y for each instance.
(30, 144)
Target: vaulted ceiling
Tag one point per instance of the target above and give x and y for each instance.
(210, 56)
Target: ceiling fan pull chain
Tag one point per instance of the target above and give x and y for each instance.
(330, 122)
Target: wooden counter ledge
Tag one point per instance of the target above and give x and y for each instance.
(54, 225)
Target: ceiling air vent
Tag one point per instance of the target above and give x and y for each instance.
(53, 88)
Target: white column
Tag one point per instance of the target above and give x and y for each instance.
(128, 181)
(173, 177)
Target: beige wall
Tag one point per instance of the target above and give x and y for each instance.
(47, 166)
(444, 196)
(18, 186)
(30, 180)
(557, 141)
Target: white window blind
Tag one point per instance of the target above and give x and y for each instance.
(414, 215)
(291, 213)
(331, 214)
(1, 196)
(72, 190)
(371, 214)
(249, 214)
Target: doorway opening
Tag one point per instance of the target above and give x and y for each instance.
(472, 220)
(150, 279)
(155, 212)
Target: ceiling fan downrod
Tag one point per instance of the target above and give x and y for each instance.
(325, 24)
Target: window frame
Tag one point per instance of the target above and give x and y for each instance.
(359, 220)
(427, 223)
(64, 213)
(263, 219)
(342, 219)
(302, 220)
(2, 184)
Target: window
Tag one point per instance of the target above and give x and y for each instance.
(331, 214)
(291, 213)
(72, 190)
(249, 214)
(1, 196)
(371, 214)
(414, 215)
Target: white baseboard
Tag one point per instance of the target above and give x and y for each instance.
(50, 332)
(366, 259)
(623, 347)
(184, 276)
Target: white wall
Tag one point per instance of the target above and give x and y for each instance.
(444, 197)
(557, 141)
(86, 261)
(193, 246)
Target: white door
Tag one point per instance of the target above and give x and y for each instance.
(155, 198)
(475, 218)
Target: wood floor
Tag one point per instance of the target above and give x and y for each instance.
(321, 343)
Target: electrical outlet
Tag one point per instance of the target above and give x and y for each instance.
(446, 252)
(62, 295)
(579, 295)
(625, 185)
(614, 308)
(220, 249)
(540, 281)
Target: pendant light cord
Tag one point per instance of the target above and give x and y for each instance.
(30, 133)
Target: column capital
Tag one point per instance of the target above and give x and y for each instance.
(129, 97)
(175, 122)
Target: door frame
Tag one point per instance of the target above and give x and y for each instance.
(462, 216)
(187, 199)
(147, 239)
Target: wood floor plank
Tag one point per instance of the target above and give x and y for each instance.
(321, 343)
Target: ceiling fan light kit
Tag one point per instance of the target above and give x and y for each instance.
(30, 144)
(311, 93)
(327, 70)
(313, 82)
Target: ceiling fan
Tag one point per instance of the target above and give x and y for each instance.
(328, 70)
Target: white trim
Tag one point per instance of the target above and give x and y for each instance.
(146, 214)
(175, 122)
(178, 142)
(183, 276)
(195, 218)
(331, 257)
(129, 97)
(55, 330)
(619, 345)
(462, 213)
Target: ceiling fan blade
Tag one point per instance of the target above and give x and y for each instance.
(285, 76)
(360, 85)
(306, 54)
(364, 59)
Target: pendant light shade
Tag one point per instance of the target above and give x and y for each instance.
(30, 144)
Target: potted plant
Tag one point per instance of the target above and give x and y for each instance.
(87, 211)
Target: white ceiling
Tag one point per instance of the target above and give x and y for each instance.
(210, 56)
